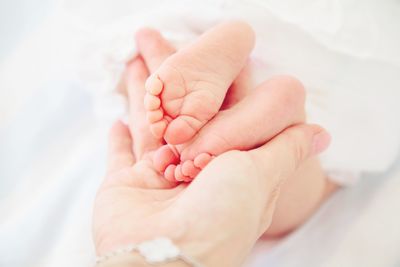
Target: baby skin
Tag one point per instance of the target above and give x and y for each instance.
(207, 132)
(270, 108)
(188, 89)
(244, 120)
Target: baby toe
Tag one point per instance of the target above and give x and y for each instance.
(179, 176)
(158, 128)
(188, 169)
(154, 85)
(165, 156)
(151, 102)
(202, 160)
(169, 173)
(154, 115)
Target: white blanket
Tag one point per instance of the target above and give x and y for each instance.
(53, 145)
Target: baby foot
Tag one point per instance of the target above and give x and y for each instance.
(189, 87)
(271, 108)
(167, 158)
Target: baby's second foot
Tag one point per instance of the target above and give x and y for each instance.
(190, 86)
(271, 108)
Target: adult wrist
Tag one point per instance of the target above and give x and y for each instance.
(134, 259)
(159, 251)
(206, 253)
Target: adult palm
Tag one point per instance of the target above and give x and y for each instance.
(219, 215)
(136, 203)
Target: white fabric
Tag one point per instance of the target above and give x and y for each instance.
(53, 148)
(341, 53)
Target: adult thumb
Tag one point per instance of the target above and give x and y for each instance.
(288, 150)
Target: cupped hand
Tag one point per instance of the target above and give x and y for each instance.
(219, 215)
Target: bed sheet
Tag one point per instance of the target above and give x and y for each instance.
(52, 158)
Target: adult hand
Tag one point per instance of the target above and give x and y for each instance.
(218, 217)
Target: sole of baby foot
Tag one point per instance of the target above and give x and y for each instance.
(190, 86)
(178, 113)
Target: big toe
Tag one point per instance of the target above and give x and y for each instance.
(165, 156)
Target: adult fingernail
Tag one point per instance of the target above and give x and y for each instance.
(320, 142)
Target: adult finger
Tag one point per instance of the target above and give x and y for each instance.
(288, 150)
(279, 159)
(119, 148)
(153, 48)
